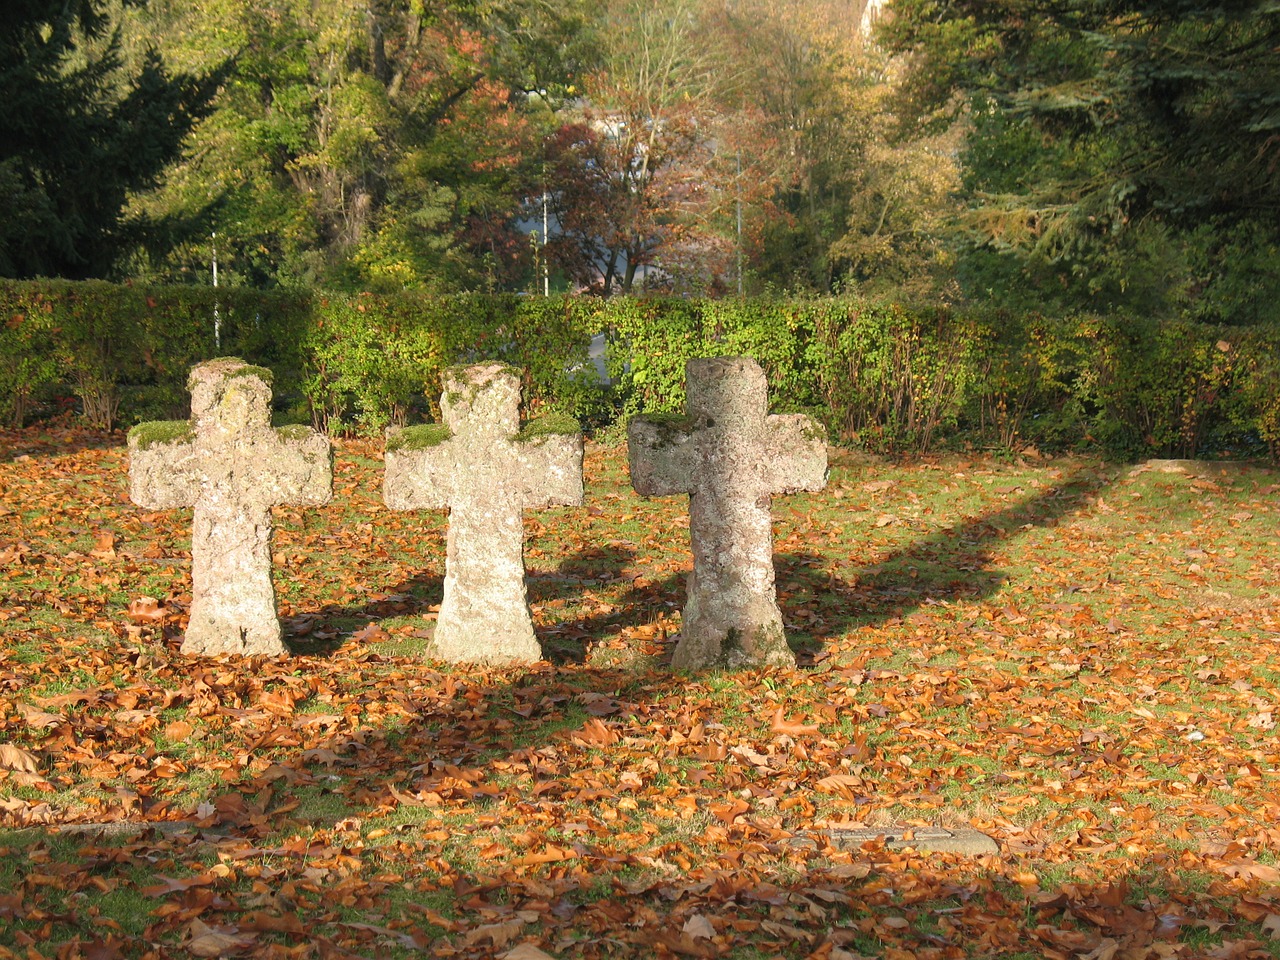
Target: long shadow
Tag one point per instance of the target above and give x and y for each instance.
(322, 632)
(949, 564)
(54, 440)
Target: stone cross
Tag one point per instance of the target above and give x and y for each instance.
(730, 457)
(231, 466)
(487, 471)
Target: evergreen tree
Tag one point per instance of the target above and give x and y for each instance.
(1123, 153)
(78, 136)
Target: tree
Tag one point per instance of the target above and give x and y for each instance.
(852, 197)
(1120, 148)
(78, 135)
(637, 172)
(371, 143)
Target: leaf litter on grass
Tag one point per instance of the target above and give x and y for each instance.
(1076, 659)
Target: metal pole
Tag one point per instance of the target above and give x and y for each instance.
(217, 317)
(546, 268)
(739, 192)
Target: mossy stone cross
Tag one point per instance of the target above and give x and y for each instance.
(480, 465)
(730, 457)
(231, 466)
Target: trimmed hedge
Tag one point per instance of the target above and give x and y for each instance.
(892, 378)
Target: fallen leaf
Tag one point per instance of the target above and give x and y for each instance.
(791, 728)
(840, 784)
(699, 926)
(146, 610)
(526, 951)
(104, 547)
(38, 718)
(208, 941)
(15, 758)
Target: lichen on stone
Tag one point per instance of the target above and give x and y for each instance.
(813, 430)
(146, 435)
(293, 431)
(421, 437)
(249, 370)
(549, 425)
(670, 426)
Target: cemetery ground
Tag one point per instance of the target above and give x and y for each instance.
(1079, 659)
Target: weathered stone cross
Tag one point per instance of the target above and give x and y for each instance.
(231, 466)
(730, 457)
(487, 471)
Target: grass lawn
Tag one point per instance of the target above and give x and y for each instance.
(1081, 660)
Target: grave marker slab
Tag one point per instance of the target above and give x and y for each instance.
(730, 456)
(231, 466)
(487, 471)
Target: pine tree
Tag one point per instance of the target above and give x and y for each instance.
(78, 136)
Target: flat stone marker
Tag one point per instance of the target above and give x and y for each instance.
(963, 840)
(487, 471)
(932, 839)
(231, 466)
(730, 456)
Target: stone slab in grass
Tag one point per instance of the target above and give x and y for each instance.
(962, 840)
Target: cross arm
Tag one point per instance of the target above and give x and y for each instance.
(660, 455)
(795, 454)
(419, 468)
(164, 466)
(298, 463)
(549, 467)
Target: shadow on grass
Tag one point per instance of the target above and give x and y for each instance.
(57, 438)
(948, 565)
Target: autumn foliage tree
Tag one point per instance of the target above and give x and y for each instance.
(364, 145)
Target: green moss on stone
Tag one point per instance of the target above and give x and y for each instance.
(293, 431)
(550, 425)
(249, 370)
(149, 434)
(421, 437)
(671, 427)
(813, 430)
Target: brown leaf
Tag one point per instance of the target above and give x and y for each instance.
(699, 926)
(146, 610)
(595, 733)
(526, 951)
(841, 784)
(208, 941)
(15, 758)
(499, 934)
(1250, 870)
(791, 728)
(169, 885)
(38, 718)
(262, 922)
(104, 547)
(728, 812)
(371, 633)
(686, 945)
(178, 731)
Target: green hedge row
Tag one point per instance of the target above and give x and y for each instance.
(891, 378)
